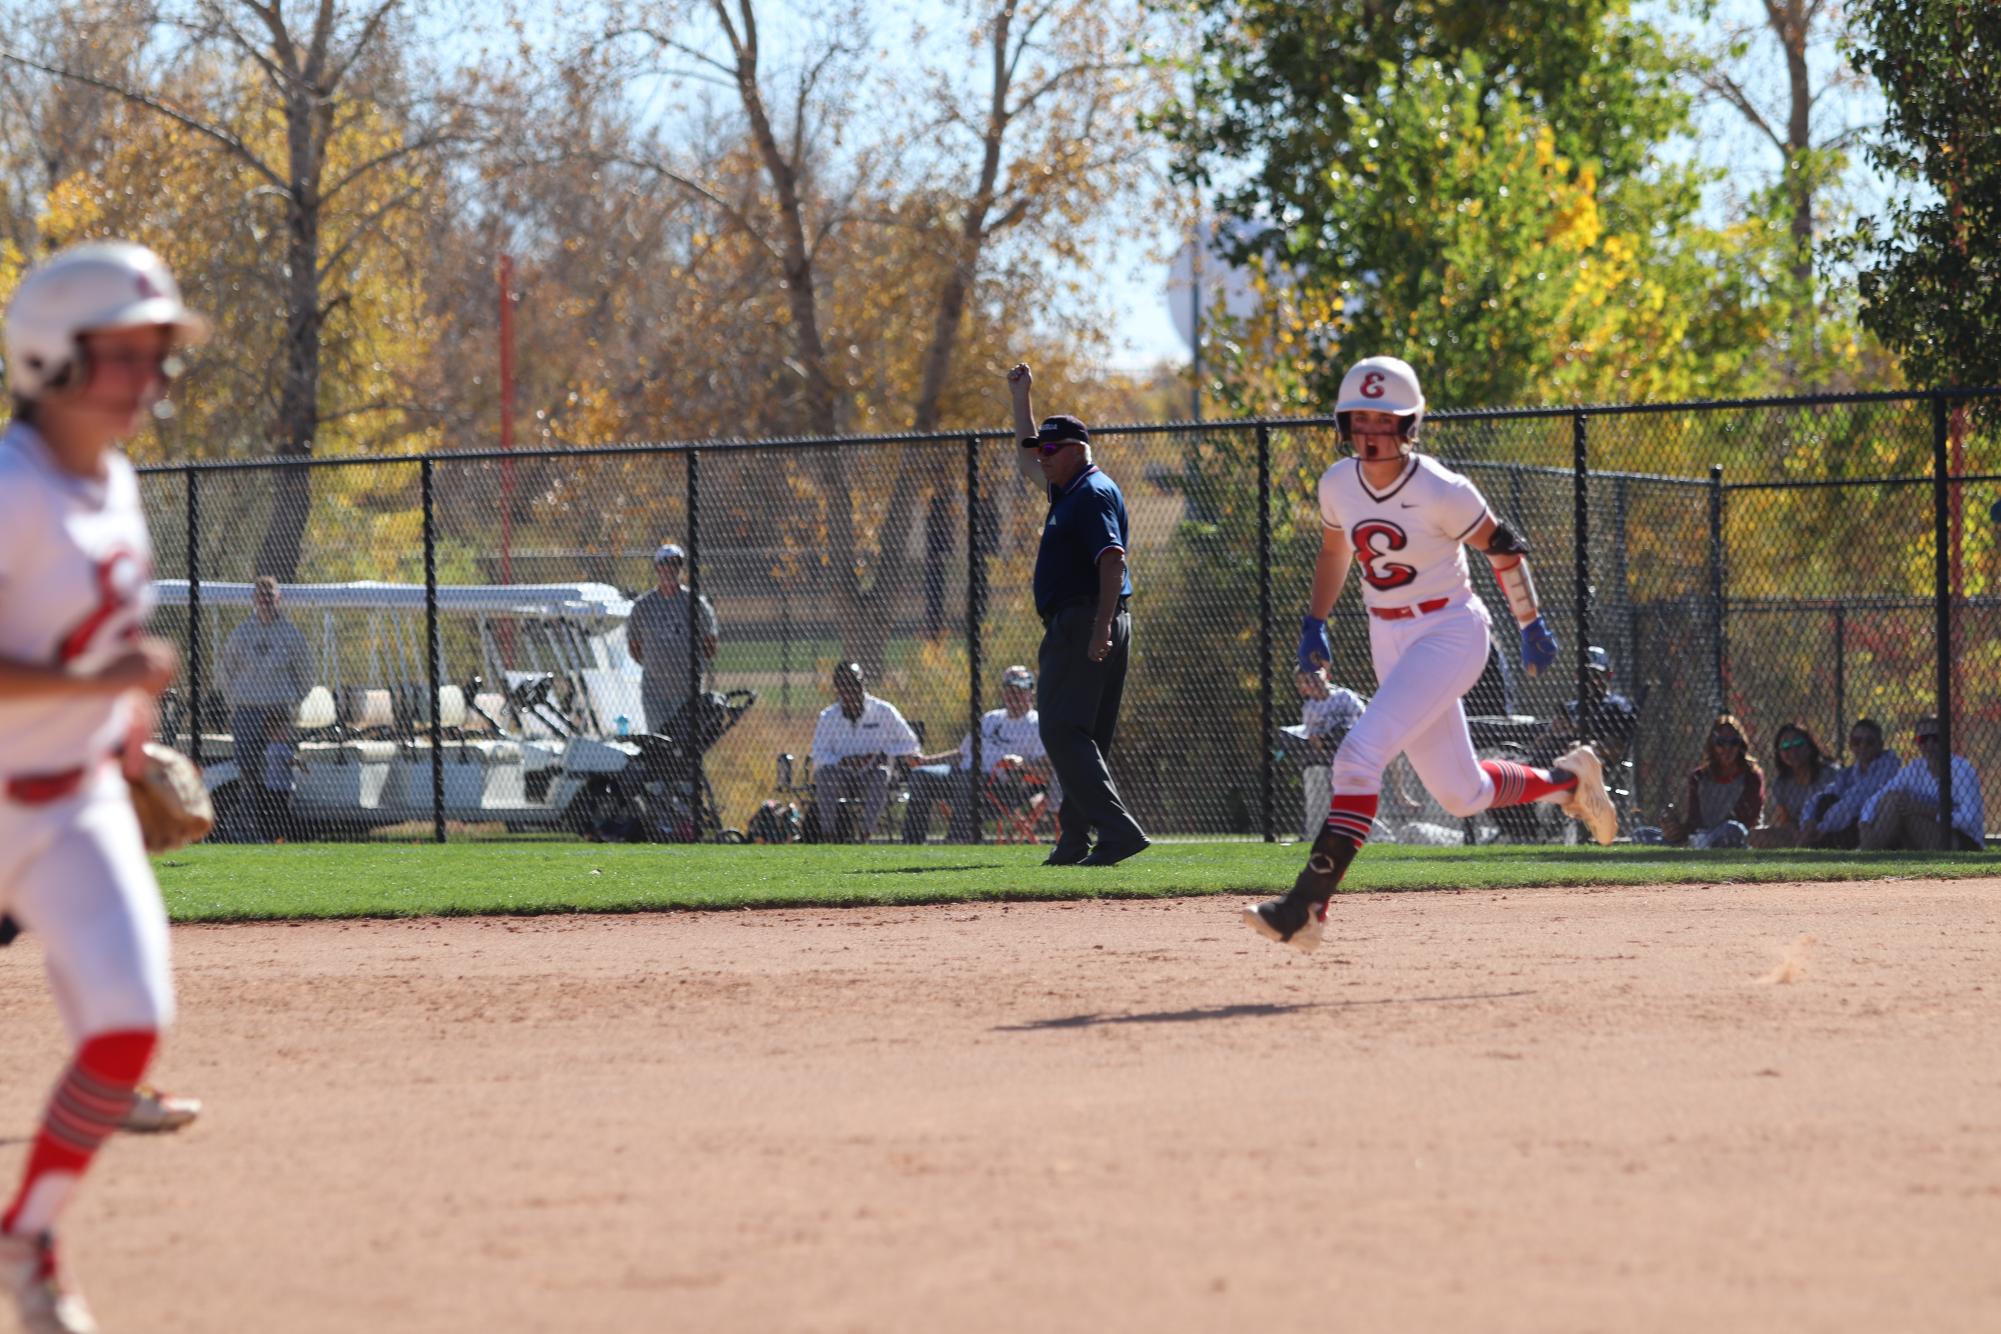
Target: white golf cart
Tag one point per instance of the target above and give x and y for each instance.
(558, 748)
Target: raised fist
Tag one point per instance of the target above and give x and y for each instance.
(1019, 379)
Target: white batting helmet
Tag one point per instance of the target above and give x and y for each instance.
(1381, 384)
(88, 289)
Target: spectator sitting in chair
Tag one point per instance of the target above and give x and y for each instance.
(1600, 716)
(1905, 813)
(1834, 814)
(1011, 748)
(1724, 796)
(1800, 769)
(853, 743)
(1326, 712)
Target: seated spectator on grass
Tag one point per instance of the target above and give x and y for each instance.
(1905, 813)
(1326, 712)
(854, 741)
(1800, 769)
(1010, 748)
(1834, 815)
(1724, 795)
(1604, 717)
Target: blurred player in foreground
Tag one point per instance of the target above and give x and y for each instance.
(1406, 520)
(90, 340)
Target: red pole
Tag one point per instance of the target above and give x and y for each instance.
(506, 418)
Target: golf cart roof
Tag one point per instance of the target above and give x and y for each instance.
(578, 600)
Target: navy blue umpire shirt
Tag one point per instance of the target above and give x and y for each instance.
(1086, 518)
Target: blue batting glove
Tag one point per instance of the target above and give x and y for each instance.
(1538, 647)
(1313, 653)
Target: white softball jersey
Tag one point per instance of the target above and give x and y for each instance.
(76, 588)
(1408, 537)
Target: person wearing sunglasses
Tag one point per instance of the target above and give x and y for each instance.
(1800, 769)
(1833, 817)
(1083, 591)
(1724, 795)
(1904, 815)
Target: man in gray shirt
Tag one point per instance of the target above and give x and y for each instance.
(267, 668)
(656, 634)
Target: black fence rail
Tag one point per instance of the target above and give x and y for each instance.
(457, 661)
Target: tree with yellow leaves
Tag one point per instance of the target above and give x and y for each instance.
(298, 146)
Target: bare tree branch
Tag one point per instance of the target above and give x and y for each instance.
(1730, 91)
(179, 117)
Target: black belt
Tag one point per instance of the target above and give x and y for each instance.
(1049, 616)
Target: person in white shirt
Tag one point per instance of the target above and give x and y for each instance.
(1326, 712)
(90, 342)
(267, 668)
(1010, 747)
(854, 741)
(1834, 814)
(1905, 813)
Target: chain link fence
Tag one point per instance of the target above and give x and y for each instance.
(449, 653)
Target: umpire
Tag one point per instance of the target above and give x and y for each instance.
(1082, 589)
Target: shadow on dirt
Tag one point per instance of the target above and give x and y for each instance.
(1254, 1011)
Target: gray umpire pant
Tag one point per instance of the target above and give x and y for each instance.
(1078, 703)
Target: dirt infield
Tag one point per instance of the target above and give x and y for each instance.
(1540, 1110)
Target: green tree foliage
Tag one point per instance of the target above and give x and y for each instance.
(1478, 188)
(1931, 281)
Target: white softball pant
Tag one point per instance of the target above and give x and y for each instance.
(74, 874)
(1423, 666)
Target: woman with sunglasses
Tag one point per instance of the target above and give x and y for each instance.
(1724, 795)
(1800, 768)
(90, 340)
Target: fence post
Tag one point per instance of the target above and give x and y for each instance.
(1841, 680)
(194, 622)
(431, 665)
(1622, 578)
(1719, 657)
(1581, 536)
(1267, 723)
(1942, 607)
(976, 596)
(692, 713)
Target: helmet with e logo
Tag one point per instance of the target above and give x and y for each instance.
(1380, 384)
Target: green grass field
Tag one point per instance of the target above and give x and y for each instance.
(324, 880)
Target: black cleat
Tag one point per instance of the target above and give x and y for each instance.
(1060, 855)
(1289, 921)
(1106, 854)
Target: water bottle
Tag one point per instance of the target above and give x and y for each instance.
(623, 724)
(784, 773)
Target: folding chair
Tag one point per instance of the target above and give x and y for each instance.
(1019, 803)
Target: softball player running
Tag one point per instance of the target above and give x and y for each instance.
(1406, 520)
(90, 338)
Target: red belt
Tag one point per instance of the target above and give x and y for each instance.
(41, 789)
(1410, 613)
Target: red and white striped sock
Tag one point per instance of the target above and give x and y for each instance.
(93, 1097)
(1351, 815)
(1520, 784)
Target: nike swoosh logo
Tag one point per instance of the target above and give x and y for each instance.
(1403, 505)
